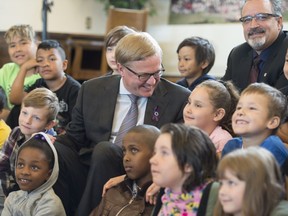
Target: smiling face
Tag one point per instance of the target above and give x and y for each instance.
(199, 111)
(231, 193)
(51, 65)
(164, 166)
(187, 63)
(33, 120)
(131, 82)
(252, 117)
(32, 169)
(136, 155)
(21, 50)
(260, 34)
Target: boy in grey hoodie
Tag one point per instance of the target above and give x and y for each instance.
(36, 172)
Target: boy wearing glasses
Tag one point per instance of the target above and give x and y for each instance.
(101, 106)
(261, 58)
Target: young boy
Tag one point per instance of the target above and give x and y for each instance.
(283, 129)
(128, 197)
(38, 113)
(51, 62)
(111, 40)
(36, 172)
(4, 128)
(196, 57)
(259, 112)
(21, 48)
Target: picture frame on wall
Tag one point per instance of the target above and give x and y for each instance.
(210, 11)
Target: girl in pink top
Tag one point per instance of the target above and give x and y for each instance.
(210, 107)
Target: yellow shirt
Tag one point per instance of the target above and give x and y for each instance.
(4, 132)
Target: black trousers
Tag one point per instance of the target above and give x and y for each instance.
(72, 178)
(106, 162)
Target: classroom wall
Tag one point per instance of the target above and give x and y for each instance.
(69, 16)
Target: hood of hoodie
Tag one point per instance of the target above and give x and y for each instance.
(54, 175)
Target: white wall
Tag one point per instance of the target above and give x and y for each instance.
(69, 16)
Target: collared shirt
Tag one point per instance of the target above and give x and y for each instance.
(183, 82)
(121, 109)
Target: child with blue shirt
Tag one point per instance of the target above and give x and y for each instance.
(196, 57)
(259, 112)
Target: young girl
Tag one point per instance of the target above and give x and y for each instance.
(36, 172)
(111, 40)
(210, 107)
(250, 184)
(184, 163)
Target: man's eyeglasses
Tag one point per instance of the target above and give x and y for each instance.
(260, 17)
(146, 76)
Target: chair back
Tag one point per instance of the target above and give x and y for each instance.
(136, 19)
(129, 17)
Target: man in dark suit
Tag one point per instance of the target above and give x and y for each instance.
(262, 26)
(101, 106)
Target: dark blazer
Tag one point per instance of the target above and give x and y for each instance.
(240, 62)
(92, 116)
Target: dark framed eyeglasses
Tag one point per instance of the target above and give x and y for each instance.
(146, 76)
(260, 17)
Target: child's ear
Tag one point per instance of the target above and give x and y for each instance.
(273, 123)
(204, 64)
(188, 168)
(219, 114)
(50, 124)
(65, 64)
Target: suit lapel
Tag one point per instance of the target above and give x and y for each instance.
(110, 92)
(156, 106)
(246, 67)
(274, 53)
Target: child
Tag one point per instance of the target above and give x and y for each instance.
(38, 113)
(111, 40)
(4, 128)
(36, 172)
(283, 129)
(250, 184)
(21, 48)
(184, 162)
(196, 57)
(51, 62)
(259, 112)
(210, 107)
(4, 133)
(138, 146)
